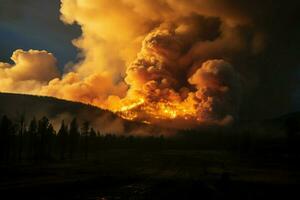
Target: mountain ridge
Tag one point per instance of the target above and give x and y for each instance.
(14, 105)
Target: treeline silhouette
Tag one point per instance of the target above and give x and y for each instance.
(36, 140)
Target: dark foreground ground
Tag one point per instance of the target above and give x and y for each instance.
(165, 174)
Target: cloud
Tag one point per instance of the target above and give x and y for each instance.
(31, 70)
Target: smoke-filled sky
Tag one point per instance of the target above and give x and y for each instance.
(229, 58)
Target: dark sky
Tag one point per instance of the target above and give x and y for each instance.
(35, 24)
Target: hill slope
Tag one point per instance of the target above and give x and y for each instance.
(57, 110)
(13, 105)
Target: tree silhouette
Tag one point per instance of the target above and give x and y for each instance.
(49, 137)
(43, 135)
(6, 130)
(21, 135)
(33, 140)
(74, 137)
(85, 133)
(92, 139)
(62, 139)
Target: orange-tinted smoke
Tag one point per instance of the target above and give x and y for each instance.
(162, 62)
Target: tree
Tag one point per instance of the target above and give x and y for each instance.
(33, 140)
(85, 133)
(73, 137)
(6, 130)
(21, 133)
(92, 139)
(62, 139)
(43, 126)
(49, 138)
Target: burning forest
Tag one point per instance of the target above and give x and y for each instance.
(173, 63)
(149, 99)
(152, 62)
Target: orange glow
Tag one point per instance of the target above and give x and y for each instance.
(146, 61)
(158, 112)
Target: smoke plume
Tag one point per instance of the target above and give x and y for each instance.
(167, 62)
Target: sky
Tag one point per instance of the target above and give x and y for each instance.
(35, 24)
(272, 77)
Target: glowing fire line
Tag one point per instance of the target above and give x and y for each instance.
(143, 110)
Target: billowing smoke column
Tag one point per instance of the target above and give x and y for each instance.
(165, 62)
(165, 85)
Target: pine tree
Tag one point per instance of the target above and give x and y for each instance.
(62, 139)
(49, 139)
(85, 133)
(74, 138)
(33, 140)
(6, 130)
(21, 135)
(43, 126)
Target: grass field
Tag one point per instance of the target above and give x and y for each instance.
(164, 174)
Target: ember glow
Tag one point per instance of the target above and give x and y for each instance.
(158, 62)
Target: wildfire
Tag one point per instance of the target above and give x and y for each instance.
(158, 112)
(125, 108)
(147, 65)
